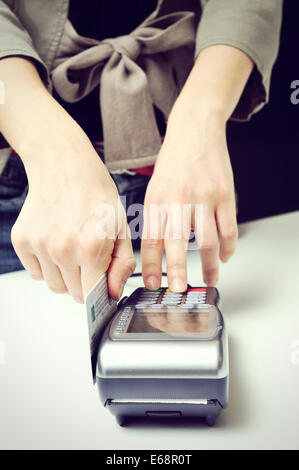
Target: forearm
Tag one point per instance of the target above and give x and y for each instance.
(214, 86)
(29, 117)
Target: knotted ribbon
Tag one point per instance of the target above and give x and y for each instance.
(136, 71)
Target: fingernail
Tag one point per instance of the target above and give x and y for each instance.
(177, 285)
(152, 282)
(211, 283)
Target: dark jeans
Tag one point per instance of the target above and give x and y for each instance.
(13, 192)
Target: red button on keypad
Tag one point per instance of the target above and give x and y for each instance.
(197, 289)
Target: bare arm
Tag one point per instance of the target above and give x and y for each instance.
(216, 82)
(193, 167)
(55, 233)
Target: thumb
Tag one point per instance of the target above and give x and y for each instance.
(94, 266)
(122, 266)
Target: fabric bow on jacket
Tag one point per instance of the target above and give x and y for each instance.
(136, 71)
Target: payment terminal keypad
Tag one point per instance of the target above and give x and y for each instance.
(163, 298)
(149, 301)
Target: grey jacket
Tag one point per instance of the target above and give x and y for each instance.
(37, 29)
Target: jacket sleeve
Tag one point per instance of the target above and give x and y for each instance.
(15, 40)
(253, 26)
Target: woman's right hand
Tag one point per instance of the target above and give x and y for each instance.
(61, 234)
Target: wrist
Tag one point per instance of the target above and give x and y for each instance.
(70, 157)
(193, 132)
(46, 125)
(196, 120)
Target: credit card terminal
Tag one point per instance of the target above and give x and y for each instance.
(165, 354)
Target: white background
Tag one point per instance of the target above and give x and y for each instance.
(48, 401)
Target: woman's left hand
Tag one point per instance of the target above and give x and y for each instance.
(193, 168)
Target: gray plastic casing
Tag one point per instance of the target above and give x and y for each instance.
(175, 377)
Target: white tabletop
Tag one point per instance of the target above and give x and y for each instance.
(48, 401)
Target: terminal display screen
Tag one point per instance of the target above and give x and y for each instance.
(169, 321)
